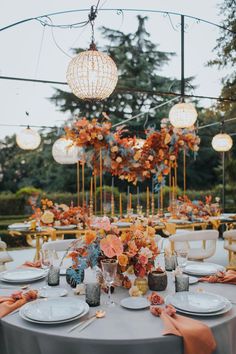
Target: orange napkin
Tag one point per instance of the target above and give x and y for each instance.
(36, 264)
(228, 277)
(15, 301)
(197, 337)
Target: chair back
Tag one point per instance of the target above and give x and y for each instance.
(59, 245)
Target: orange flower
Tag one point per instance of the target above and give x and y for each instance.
(90, 236)
(123, 260)
(111, 246)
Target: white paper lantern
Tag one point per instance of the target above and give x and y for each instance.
(222, 142)
(28, 139)
(65, 152)
(183, 115)
(92, 75)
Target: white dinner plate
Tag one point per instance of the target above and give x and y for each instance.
(121, 224)
(197, 302)
(65, 227)
(53, 309)
(227, 308)
(135, 303)
(85, 311)
(179, 221)
(203, 268)
(52, 292)
(23, 275)
(19, 226)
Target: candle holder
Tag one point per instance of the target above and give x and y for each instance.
(53, 275)
(92, 294)
(181, 283)
(170, 262)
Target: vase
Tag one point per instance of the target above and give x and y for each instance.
(74, 276)
(157, 280)
(142, 284)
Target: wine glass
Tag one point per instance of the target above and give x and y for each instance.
(109, 269)
(46, 261)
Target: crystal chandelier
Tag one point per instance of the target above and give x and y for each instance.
(92, 75)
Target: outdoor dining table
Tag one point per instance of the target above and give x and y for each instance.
(122, 331)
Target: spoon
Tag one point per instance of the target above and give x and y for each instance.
(99, 314)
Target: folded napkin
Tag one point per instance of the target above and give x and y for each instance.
(15, 301)
(36, 264)
(197, 337)
(228, 277)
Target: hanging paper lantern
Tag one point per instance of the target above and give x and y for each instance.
(222, 142)
(183, 115)
(28, 139)
(65, 152)
(92, 75)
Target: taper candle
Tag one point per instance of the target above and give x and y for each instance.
(120, 205)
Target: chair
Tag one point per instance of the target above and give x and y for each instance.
(58, 245)
(230, 246)
(4, 256)
(204, 249)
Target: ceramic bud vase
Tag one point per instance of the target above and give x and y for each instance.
(142, 284)
(157, 280)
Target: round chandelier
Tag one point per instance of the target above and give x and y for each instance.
(65, 152)
(28, 139)
(92, 75)
(183, 115)
(222, 142)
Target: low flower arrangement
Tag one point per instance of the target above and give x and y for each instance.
(53, 214)
(197, 208)
(135, 250)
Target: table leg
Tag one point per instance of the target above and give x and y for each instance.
(37, 253)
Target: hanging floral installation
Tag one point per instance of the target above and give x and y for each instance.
(123, 157)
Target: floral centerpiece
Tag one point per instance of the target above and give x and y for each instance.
(135, 250)
(53, 214)
(197, 208)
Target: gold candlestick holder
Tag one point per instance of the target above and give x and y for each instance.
(91, 207)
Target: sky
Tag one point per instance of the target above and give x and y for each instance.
(28, 50)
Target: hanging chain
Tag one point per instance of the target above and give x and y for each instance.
(92, 16)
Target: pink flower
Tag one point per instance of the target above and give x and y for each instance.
(155, 299)
(102, 223)
(143, 259)
(111, 246)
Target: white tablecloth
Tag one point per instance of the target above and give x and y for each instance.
(122, 331)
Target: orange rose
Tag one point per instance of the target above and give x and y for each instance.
(123, 260)
(90, 236)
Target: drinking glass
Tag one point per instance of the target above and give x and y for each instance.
(109, 269)
(182, 257)
(181, 283)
